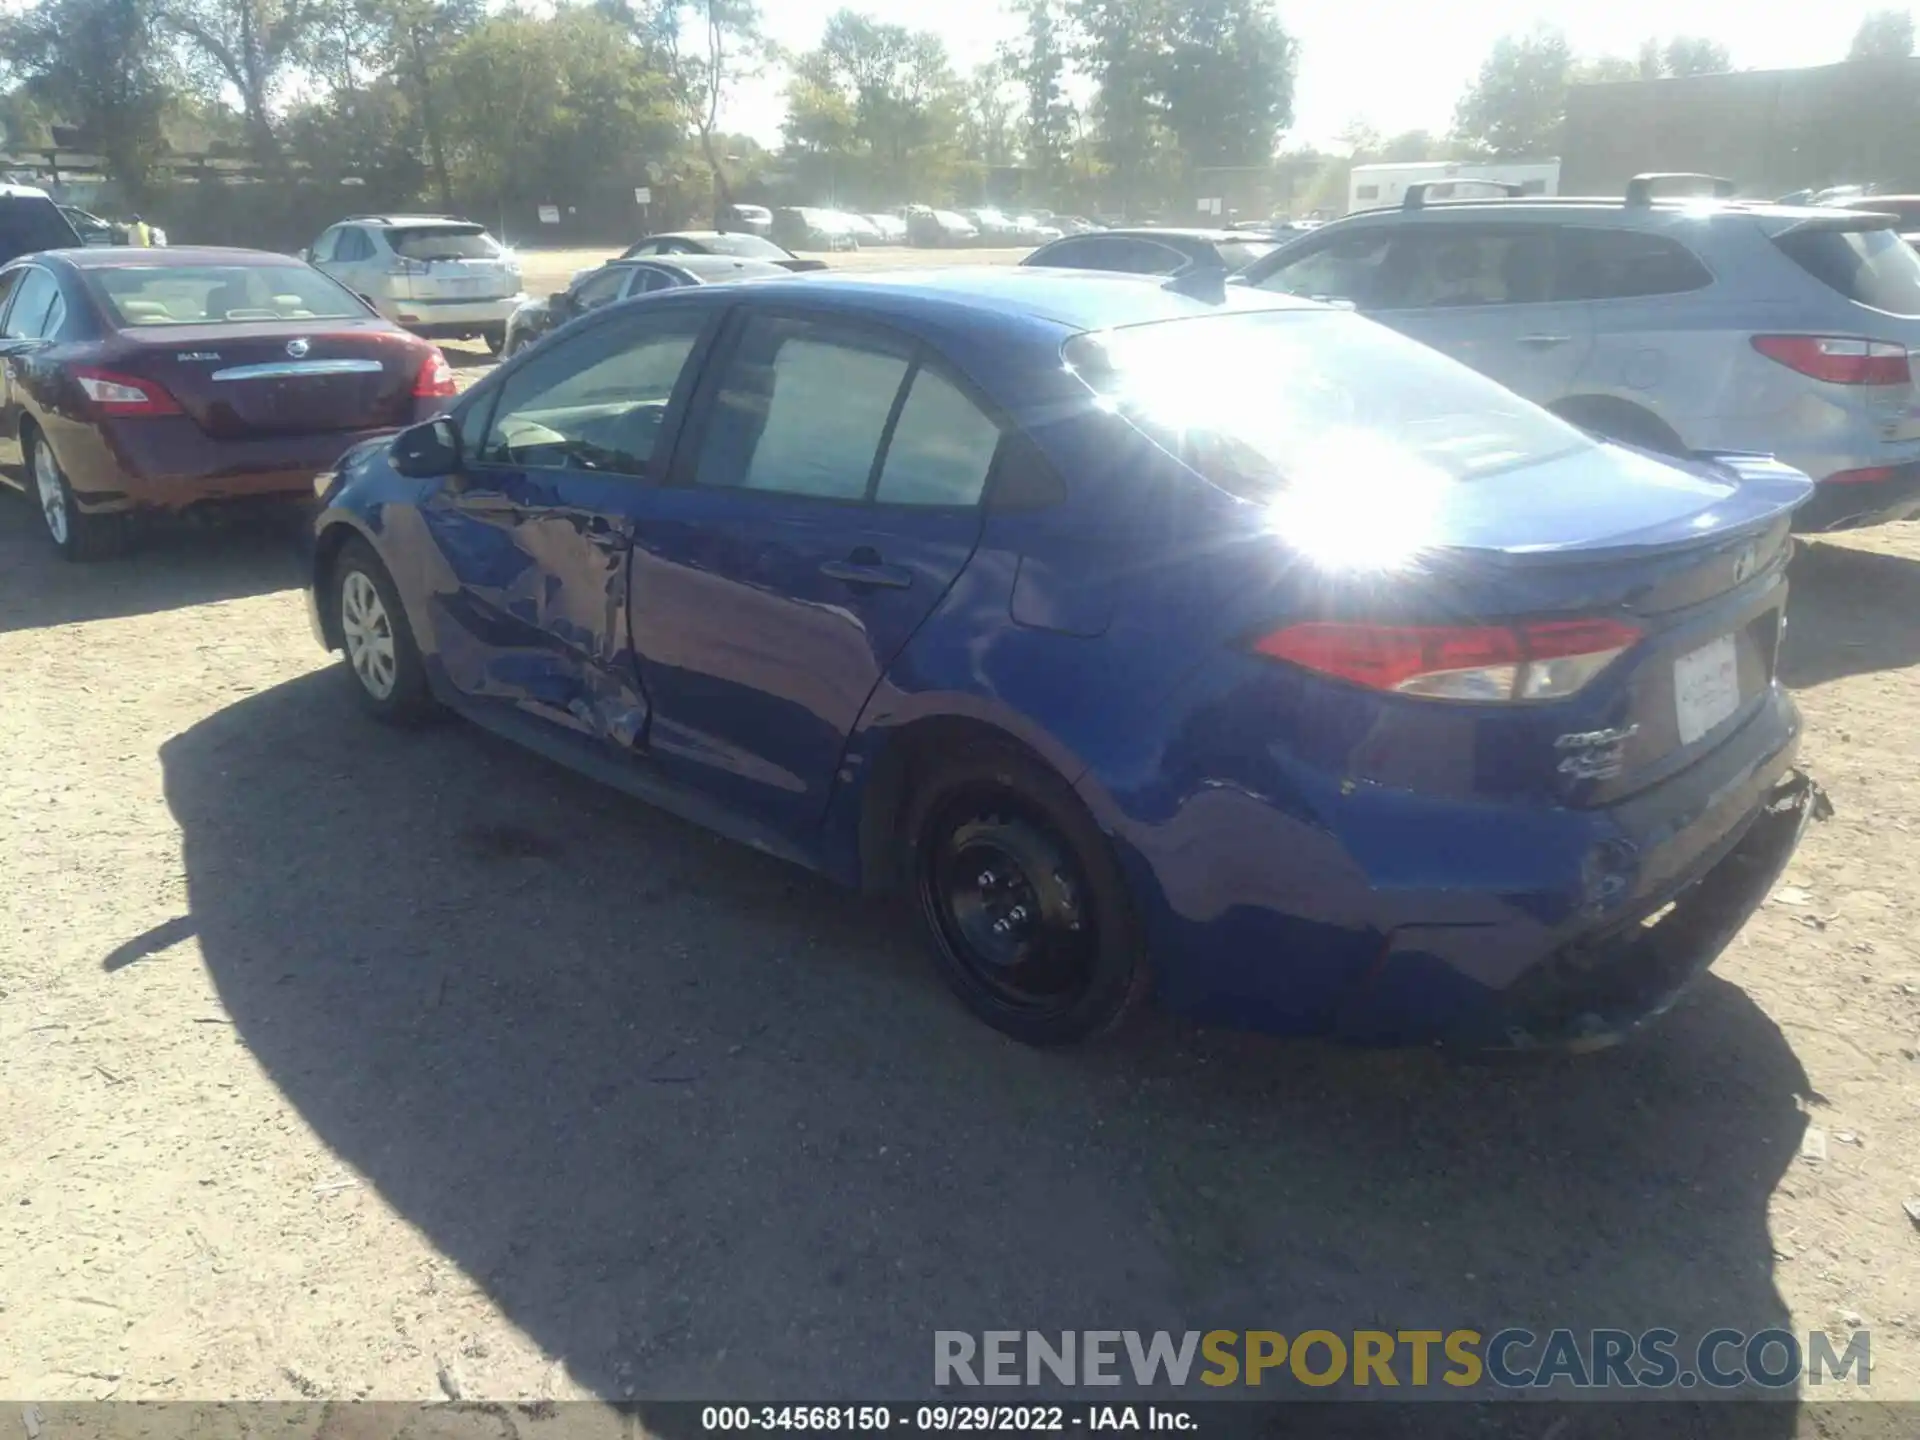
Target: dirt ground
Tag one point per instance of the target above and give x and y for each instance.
(336, 1062)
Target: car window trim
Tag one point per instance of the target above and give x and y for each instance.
(659, 464)
(921, 355)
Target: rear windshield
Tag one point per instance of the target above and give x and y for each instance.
(1237, 254)
(220, 294)
(443, 242)
(749, 247)
(32, 222)
(1870, 267)
(1271, 402)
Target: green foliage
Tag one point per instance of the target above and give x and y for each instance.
(1883, 35)
(1518, 102)
(98, 64)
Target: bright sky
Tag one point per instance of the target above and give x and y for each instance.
(1398, 66)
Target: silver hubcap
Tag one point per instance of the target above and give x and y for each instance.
(53, 496)
(369, 634)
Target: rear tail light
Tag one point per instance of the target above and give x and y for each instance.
(116, 394)
(1538, 660)
(1861, 477)
(1838, 360)
(400, 265)
(435, 380)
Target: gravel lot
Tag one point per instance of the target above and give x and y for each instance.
(340, 1063)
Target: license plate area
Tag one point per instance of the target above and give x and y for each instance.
(1706, 688)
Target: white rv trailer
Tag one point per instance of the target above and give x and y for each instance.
(1374, 186)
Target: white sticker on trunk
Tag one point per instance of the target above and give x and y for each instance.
(1706, 687)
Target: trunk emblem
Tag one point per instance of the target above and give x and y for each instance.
(297, 348)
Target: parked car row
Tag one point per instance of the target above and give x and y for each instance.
(813, 228)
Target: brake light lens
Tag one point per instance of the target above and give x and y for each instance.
(435, 380)
(1867, 476)
(116, 394)
(1837, 359)
(1538, 660)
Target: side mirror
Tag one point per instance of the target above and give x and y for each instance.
(427, 451)
(305, 253)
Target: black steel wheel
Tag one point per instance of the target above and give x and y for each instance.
(1030, 920)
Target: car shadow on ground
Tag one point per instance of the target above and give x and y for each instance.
(1851, 612)
(172, 567)
(703, 1125)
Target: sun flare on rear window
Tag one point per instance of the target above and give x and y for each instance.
(143, 295)
(1351, 436)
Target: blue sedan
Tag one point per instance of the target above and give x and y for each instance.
(1218, 647)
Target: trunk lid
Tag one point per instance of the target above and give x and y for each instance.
(245, 381)
(451, 261)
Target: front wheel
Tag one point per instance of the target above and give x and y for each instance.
(76, 535)
(1029, 914)
(389, 677)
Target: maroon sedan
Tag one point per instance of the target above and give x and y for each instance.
(154, 380)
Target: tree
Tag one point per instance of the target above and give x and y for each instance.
(990, 133)
(1121, 47)
(1517, 104)
(1883, 35)
(703, 48)
(98, 65)
(885, 96)
(1226, 81)
(250, 45)
(1039, 63)
(543, 110)
(1696, 55)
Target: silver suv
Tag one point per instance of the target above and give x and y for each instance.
(436, 275)
(1672, 324)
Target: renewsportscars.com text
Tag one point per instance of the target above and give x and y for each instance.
(1512, 1359)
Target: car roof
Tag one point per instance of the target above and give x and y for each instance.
(1021, 298)
(1561, 207)
(705, 265)
(397, 221)
(1177, 232)
(121, 257)
(23, 192)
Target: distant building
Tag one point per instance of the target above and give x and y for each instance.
(1771, 131)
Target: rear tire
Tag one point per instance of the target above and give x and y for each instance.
(1031, 921)
(75, 534)
(496, 339)
(382, 658)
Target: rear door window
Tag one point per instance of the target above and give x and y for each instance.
(352, 244)
(1447, 266)
(1875, 268)
(941, 448)
(1622, 264)
(802, 409)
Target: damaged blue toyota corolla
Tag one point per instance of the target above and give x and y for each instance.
(1224, 648)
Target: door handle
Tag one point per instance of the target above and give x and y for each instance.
(864, 569)
(1544, 342)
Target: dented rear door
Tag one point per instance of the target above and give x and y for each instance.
(536, 529)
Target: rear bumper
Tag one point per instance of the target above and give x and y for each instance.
(1596, 992)
(168, 463)
(1847, 505)
(451, 318)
